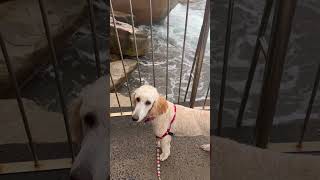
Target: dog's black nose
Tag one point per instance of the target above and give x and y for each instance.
(134, 119)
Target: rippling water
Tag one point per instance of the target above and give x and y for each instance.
(299, 70)
(176, 34)
(78, 62)
(297, 80)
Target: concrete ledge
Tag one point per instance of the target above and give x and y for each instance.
(45, 126)
(232, 160)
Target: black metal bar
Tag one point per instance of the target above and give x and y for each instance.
(183, 48)
(264, 46)
(14, 82)
(121, 54)
(282, 21)
(191, 74)
(135, 41)
(309, 109)
(225, 66)
(201, 46)
(167, 64)
(115, 91)
(151, 33)
(254, 61)
(57, 75)
(205, 100)
(192, 67)
(94, 38)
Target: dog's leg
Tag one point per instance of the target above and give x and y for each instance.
(205, 147)
(165, 147)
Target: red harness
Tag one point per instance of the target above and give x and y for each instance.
(168, 130)
(148, 119)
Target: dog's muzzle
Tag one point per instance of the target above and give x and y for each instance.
(135, 117)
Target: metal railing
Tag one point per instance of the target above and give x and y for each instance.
(274, 54)
(197, 62)
(36, 164)
(40, 165)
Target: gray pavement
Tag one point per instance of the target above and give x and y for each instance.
(133, 154)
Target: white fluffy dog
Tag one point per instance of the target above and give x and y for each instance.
(88, 120)
(168, 119)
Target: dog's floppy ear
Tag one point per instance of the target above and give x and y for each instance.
(75, 119)
(159, 107)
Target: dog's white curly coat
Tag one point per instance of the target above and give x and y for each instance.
(188, 122)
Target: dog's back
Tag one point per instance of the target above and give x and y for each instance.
(192, 122)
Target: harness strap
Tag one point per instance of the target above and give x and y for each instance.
(169, 128)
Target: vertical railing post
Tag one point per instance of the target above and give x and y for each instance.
(205, 99)
(115, 91)
(183, 48)
(309, 109)
(151, 34)
(121, 54)
(225, 66)
(94, 38)
(167, 63)
(135, 40)
(254, 61)
(57, 74)
(201, 50)
(192, 70)
(14, 82)
(282, 21)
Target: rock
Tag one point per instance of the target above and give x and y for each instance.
(124, 17)
(23, 32)
(116, 70)
(123, 98)
(45, 126)
(127, 39)
(141, 11)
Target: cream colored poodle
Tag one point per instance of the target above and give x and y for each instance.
(169, 119)
(89, 125)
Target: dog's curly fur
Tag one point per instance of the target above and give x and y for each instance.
(188, 122)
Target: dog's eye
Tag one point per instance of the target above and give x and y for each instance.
(138, 99)
(90, 119)
(148, 102)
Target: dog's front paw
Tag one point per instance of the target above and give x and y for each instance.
(205, 147)
(163, 156)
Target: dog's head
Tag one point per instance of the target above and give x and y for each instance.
(89, 129)
(147, 103)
